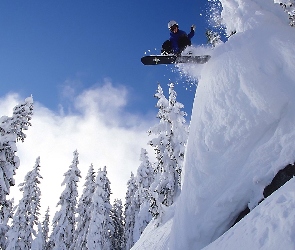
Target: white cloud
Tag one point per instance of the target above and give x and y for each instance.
(99, 128)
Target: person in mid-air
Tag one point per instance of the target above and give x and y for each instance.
(179, 39)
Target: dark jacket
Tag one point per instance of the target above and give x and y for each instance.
(174, 38)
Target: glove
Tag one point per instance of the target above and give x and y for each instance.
(193, 27)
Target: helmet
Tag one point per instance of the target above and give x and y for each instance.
(172, 23)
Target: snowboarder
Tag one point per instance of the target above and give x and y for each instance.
(179, 39)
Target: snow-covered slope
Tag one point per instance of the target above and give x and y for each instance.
(269, 226)
(242, 127)
(156, 236)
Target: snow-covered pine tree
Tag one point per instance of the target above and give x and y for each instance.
(84, 212)
(11, 130)
(117, 237)
(45, 229)
(5, 214)
(144, 179)
(96, 237)
(169, 146)
(20, 234)
(213, 38)
(158, 143)
(131, 210)
(145, 173)
(64, 220)
(289, 7)
(107, 203)
(178, 135)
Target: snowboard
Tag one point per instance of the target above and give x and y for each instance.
(171, 59)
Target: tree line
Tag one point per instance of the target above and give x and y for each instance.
(91, 221)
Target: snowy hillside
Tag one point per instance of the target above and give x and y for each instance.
(269, 226)
(241, 134)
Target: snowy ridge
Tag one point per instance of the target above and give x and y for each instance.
(241, 131)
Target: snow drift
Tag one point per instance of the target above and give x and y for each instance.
(242, 127)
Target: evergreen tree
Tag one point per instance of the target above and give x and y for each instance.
(178, 135)
(27, 212)
(213, 38)
(45, 229)
(145, 172)
(289, 7)
(169, 146)
(64, 220)
(158, 143)
(117, 237)
(11, 130)
(98, 226)
(5, 215)
(131, 210)
(84, 212)
(144, 179)
(107, 203)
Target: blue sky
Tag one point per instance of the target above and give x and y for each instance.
(84, 56)
(44, 44)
